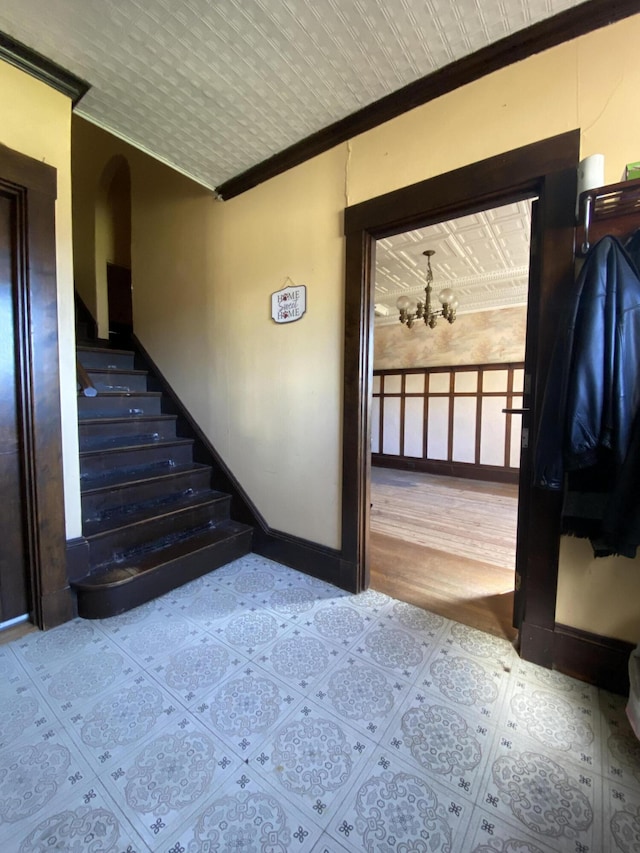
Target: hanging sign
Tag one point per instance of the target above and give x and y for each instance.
(289, 304)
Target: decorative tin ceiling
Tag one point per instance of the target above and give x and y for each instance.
(213, 87)
(483, 258)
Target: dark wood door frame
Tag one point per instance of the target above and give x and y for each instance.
(546, 170)
(31, 187)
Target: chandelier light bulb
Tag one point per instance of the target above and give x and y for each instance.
(403, 303)
(446, 296)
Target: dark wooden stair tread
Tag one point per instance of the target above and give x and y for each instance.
(122, 572)
(102, 443)
(135, 476)
(129, 443)
(173, 504)
(146, 394)
(126, 419)
(127, 370)
(103, 349)
(122, 586)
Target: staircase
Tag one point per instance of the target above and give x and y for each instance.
(150, 518)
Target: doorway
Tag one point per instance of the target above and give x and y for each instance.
(446, 415)
(14, 562)
(33, 571)
(545, 169)
(112, 257)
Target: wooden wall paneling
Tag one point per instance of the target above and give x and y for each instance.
(479, 414)
(376, 447)
(470, 401)
(508, 424)
(403, 410)
(425, 416)
(465, 429)
(381, 432)
(451, 414)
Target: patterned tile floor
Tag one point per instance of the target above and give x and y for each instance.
(258, 709)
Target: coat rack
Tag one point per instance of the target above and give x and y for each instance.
(613, 210)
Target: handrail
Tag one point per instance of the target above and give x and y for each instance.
(85, 385)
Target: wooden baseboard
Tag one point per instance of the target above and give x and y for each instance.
(309, 557)
(598, 660)
(57, 608)
(602, 661)
(488, 473)
(536, 644)
(77, 558)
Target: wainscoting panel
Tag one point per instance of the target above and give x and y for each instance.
(391, 427)
(427, 418)
(414, 427)
(493, 431)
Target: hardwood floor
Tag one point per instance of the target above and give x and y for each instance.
(446, 544)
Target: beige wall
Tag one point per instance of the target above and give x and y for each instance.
(485, 337)
(118, 226)
(202, 275)
(268, 396)
(35, 120)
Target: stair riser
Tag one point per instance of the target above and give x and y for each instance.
(101, 603)
(95, 505)
(100, 432)
(133, 458)
(118, 407)
(109, 546)
(104, 360)
(118, 381)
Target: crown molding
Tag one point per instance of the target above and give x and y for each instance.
(565, 26)
(43, 69)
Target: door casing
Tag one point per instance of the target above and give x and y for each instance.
(548, 171)
(31, 188)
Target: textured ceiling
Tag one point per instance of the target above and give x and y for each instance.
(483, 258)
(213, 87)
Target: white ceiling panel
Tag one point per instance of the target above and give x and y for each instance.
(213, 88)
(484, 258)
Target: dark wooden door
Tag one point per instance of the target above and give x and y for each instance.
(14, 596)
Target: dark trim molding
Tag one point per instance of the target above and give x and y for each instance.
(43, 69)
(316, 560)
(599, 660)
(546, 169)
(309, 557)
(549, 33)
(31, 186)
(77, 558)
(465, 470)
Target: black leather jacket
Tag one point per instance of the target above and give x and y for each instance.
(593, 392)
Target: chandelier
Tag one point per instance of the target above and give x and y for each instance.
(424, 311)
